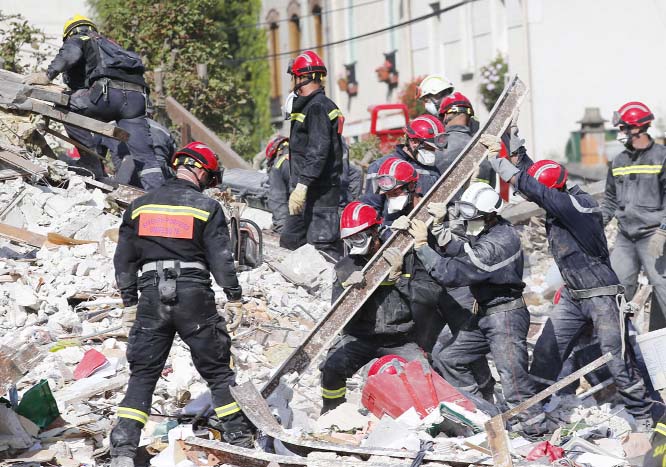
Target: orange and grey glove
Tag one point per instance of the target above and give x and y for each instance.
(128, 318)
(233, 311)
(39, 77)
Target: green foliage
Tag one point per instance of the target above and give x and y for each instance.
(408, 95)
(366, 148)
(177, 35)
(493, 79)
(15, 32)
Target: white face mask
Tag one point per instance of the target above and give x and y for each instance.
(622, 137)
(288, 104)
(397, 203)
(425, 157)
(431, 108)
(361, 250)
(475, 226)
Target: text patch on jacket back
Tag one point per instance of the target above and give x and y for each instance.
(166, 225)
(161, 220)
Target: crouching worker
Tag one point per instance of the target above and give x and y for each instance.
(384, 324)
(170, 242)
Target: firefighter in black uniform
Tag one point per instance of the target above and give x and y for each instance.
(277, 166)
(170, 241)
(316, 161)
(107, 84)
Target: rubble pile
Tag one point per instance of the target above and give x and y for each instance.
(63, 349)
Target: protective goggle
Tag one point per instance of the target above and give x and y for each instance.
(215, 177)
(467, 210)
(357, 240)
(386, 183)
(617, 119)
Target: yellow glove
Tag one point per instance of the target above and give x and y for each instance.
(419, 231)
(234, 312)
(297, 199)
(401, 223)
(37, 78)
(394, 257)
(128, 318)
(492, 143)
(438, 211)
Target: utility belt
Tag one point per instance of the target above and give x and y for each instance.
(491, 310)
(612, 290)
(101, 88)
(168, 272)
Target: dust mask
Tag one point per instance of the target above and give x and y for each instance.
(431, 108)
(475, 226)
(624, 138)
(397, 203)
(288, 105)
(360, 249)
(425, 157)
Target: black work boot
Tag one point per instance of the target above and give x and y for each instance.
(488, 391)
(238, 430)
(330, 404)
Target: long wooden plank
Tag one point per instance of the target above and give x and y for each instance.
(22, 236)
(78, 120)
(376, 270)
(21, 164)
(197, 131)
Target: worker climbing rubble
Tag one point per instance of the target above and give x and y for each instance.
(107, 83)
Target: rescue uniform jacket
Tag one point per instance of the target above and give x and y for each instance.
(575, 229)
(79, 61)
(174, 222)
(491, 264)
(457, 137)
(315, 141)
(635, 191)
(278, 194)
(163, 142)
(386, 314)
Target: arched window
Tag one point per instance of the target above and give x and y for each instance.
(274, 48)
(293, 13)
(318, 28)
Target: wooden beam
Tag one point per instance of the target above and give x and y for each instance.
(78, 120)
(21, 164)
(192, 127)
(22, 236)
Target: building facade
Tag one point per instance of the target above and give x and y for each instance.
(572, 55)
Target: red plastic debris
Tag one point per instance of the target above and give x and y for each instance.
(91, 361)
(544, 448)
(414, 385)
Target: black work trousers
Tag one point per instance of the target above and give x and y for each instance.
(318, 224)
(348, 355)
(127, 109)
(567, 322)
(194, 317)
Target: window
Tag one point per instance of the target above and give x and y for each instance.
(293, 11)
(318, 29)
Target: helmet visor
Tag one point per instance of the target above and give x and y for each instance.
(617, 119)
(215, 177)
(467, 210)
(386, 183)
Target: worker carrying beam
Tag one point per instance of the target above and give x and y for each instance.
(575, 230)
(107, 84)
(170, 241)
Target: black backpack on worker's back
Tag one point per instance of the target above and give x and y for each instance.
(115, 62)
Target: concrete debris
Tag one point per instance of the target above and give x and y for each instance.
(59, 307)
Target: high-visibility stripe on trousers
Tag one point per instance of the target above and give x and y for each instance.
(333, 393)
(226, 410)
(132, 414)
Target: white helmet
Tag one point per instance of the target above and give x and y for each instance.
(479, 199)
(433, 85)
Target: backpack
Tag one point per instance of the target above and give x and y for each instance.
(112, 58)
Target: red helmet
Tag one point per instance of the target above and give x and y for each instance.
(357, 217)
(385, 365)
(633, 114)
(395, 172)
(73, 153)
(308, 62)
(274, 146)
(549, 173)
(425, 127)
(456, 103)
(199, 155)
